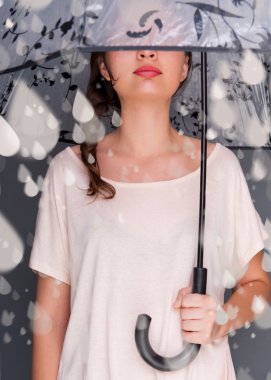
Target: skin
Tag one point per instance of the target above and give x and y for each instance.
(146, 140)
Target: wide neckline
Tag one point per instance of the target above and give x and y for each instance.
(151, 183)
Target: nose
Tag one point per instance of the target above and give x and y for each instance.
(142, 54)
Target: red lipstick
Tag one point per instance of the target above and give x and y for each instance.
(147, 71)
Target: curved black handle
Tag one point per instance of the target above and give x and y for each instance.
(190, 350)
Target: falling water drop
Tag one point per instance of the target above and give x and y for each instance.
(9, 141)
(30, 188)
(5, 287)
(116, 119)
(82, 109)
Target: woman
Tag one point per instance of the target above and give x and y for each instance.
(131, 250)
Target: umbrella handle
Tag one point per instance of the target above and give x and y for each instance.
(190, 350)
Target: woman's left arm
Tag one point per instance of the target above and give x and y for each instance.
(198, 311)
(255, 282)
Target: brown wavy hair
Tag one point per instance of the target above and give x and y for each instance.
(103, 98)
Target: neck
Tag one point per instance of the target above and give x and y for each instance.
(146, 131)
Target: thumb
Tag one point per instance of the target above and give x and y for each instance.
(182, 292)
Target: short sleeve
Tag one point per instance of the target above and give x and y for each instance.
(249, 231)
(50, 250)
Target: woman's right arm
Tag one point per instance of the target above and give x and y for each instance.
(50, 321)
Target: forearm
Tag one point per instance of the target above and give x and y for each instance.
(241, 301)
(46, 354)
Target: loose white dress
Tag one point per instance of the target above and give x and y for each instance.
(131, 254)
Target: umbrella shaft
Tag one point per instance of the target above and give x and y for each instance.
(204, 109)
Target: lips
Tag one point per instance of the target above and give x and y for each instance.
(147, 71)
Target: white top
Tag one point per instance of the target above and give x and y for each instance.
(131, 254)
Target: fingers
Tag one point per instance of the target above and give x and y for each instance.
(191, 313)
(197, 312)
(198, 300)
(182, 292)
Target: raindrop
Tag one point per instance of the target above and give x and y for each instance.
(258, 304)
(211, 134)
(31, 310)
(258, 170)
(15, 295)
(257, 134)
(91, 159)
(184, 111)
(5, 287)
(240, 154)
(7, 318)
(40, 110)
(235, 346)
(224, 69)
(217, 90)
(77, 8)
(264, 321)
(247, 325)
(66, 106)
(135, 168)
(7, 338)
(232, 333)
(28, 342)
(253, 335)
(41, 323)
(228, 280)
(69, 177)
(78, 134)
(82, 109)
(34, 4)
(24, 151)
(36, 25)
(28, 111)
(94, 131)
(95, 7)
(9, 141)
(251, 69)
(56, 293)
(121, 219)
(12, 248)
(52, 122)
(110, 153)
(30, 188)
(243, 375)
(266, 262)
(22, 331)
(232, 311)
(222, 114)
(9, 23)
(23, 174)
(38, 151)
(221, 316)
(116, 119)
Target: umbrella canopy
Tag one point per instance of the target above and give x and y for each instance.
(33, 31)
